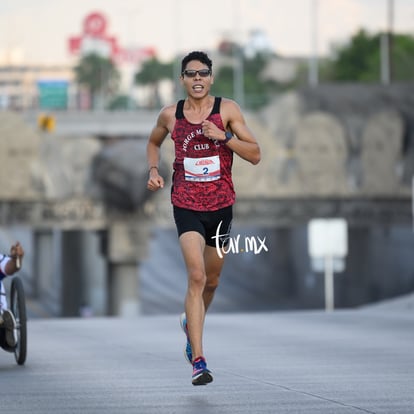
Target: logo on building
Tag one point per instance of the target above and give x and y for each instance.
(95, 39)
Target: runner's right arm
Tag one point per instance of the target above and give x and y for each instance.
(155, 140)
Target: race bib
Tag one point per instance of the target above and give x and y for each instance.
(202, 169)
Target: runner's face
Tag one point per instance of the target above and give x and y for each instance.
(197, 86)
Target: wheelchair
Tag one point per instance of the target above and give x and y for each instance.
(17, 307)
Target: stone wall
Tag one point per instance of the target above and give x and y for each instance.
(19, 158)
(346, 141)
(41, 166)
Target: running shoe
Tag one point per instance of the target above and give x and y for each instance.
(201, 375)
(10, 327)
(188, 354)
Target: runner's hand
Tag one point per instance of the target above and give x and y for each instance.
(155, 181)
(212, 131)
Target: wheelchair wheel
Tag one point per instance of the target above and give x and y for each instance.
(18, 307)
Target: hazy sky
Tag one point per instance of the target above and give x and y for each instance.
(40, 28)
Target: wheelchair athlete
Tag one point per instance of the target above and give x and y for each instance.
(9, 264)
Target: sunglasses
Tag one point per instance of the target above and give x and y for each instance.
(203, 73)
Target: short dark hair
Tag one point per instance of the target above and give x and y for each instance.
(196, 55)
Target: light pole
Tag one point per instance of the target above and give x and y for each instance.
(238, 67)
(313, 60)
(386, 46)
(176, 63)
(131, 42)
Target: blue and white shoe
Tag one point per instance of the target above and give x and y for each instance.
(188, 353)
(201, 375)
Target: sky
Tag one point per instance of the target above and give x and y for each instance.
(37, 31)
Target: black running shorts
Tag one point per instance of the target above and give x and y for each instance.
(209, 224)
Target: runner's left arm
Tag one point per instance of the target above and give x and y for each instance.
(244, 144)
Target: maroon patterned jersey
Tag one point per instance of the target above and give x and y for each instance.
(202, 168)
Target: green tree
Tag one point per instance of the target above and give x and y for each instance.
(360, 59)
(403, 57)
(257, 90)
(100, 76)
(223, 82)
(151, 74)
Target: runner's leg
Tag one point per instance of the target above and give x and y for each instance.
(213, 266)
(192, 245)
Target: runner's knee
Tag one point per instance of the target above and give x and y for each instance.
(212, 283)
(197, 279)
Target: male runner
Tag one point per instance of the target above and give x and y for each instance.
(206, 131)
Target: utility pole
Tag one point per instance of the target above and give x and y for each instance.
(177, 60)
(386, 46)
(313, 60)
(131, 42)
(238, 55)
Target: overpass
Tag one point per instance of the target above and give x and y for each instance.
(137, 123)
(88, 214)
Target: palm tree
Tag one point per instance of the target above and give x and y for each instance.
(100, 76)
(151, 74)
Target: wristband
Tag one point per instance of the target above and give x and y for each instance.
(150, 168)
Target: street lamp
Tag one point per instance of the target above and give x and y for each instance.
(386, 46)
(238, 55)
(313, 60)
